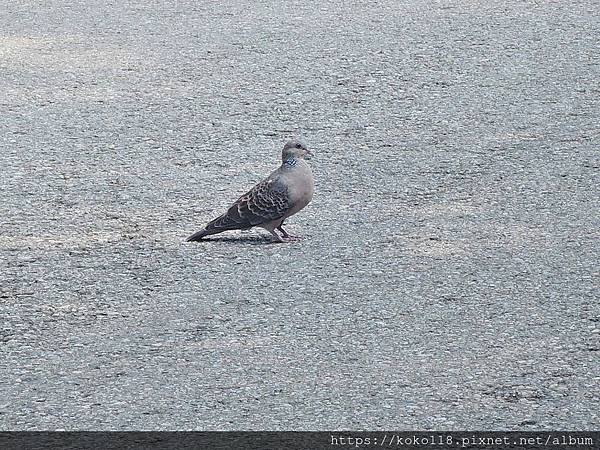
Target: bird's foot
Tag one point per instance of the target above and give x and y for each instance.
(276, 238)
(288, 236)
(285, 238)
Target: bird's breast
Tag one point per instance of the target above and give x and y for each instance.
(301, 187)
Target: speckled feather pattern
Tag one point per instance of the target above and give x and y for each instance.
(266, 201)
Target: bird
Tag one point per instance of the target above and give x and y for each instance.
(282, 194)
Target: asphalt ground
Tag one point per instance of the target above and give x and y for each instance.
(448, 278)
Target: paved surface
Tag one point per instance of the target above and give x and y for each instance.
(449, 275)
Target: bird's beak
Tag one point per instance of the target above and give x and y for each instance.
(308, 154)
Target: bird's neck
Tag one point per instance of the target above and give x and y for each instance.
(290, 162)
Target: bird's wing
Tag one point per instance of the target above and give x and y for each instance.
(266, 201)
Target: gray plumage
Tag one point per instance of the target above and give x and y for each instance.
(283, 193)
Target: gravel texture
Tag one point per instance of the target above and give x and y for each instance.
(449, 274)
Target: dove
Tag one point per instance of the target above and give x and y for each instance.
(268, 204)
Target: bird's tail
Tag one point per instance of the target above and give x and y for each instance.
(222, 223)
(197, 236)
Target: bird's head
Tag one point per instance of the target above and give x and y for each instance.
(295, 150)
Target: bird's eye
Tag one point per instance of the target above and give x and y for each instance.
(298, 145)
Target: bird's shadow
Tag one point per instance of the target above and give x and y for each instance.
(253, 240)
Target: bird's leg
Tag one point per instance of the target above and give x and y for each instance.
(286, 235)
(276, 236)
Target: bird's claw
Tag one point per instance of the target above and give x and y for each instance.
(287, 238)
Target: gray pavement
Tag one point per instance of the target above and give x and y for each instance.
(449, 274)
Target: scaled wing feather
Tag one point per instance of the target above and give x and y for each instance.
(266, 201)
